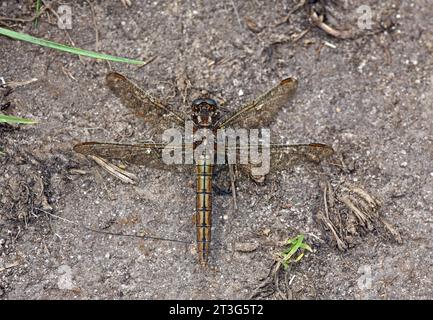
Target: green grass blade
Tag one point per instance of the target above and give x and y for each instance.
(295, 244)
(299, 257)
(37, 9)
(305, 246)
(62, 47)
(11, 119)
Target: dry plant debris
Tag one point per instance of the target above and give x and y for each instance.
(350, 211)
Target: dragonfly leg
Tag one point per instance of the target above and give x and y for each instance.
(219, 181)
(221, 191)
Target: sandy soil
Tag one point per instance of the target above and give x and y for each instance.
(369, 96)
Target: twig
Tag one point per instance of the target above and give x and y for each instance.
(66, 31)
(266, 282)
(300, 35)
(144, 237)
(145, 63)
(11, 265)
(374, 204)
(113, 233)
(291, 279)
(114, 170)
(126, 3)
(325, 200)
(362, 218)
(94, 25)
(56, 216)
(236, 13)
(340, 243)
(233, 185)
(330, 45)
(392, 230)
(286, 18)
(318, 21)
(68, 73)
(16, 84)
(42, 10)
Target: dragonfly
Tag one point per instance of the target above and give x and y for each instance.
(205, 114)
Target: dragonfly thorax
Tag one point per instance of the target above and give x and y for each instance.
(204, 112)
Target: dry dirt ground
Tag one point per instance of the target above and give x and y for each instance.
(369, 96)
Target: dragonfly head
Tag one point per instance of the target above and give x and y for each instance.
(204, 112)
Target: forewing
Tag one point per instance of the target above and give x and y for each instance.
(146, 154)
(262, 111)
(142, 103)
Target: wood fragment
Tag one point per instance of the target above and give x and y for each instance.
(252, 25)
(10, 265)
(362, 218)
(340, 243)
(126, 3)
(246, 246)
(114, 170)
(318, 21)
(299, 36)
(16, 84)
(330, 45)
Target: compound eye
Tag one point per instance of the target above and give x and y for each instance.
(197, 102)
(211, 102)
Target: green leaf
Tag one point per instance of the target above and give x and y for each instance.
(62, 47)
(306, 247)
(11, 119)
(295, 244)
(299, 257)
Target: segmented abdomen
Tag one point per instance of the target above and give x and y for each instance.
(203, 216)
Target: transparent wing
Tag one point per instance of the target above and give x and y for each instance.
(147, 154)
(283, 156)
(142, 103)
(262, 111)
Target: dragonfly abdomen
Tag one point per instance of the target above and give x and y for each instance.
(203, 216)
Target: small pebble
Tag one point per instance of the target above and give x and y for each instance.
(246, 246)
(267, 232)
